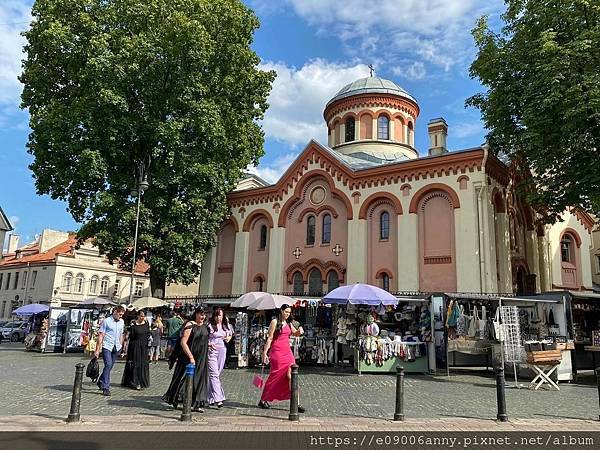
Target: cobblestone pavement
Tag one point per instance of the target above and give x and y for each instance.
(41, 384)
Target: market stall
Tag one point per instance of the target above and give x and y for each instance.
(37, 324)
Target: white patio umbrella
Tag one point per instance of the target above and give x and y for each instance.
(97, 301)
(271, 301)
(148, 302)
(247, 299)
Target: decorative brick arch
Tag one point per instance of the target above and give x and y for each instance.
(383, 112)
(369, 201)
(259, 276)
(382, 271)
(311, 176)
(400, 117)
(414, 203)
(318, 211)
(349, 114)
(312, 263)
(255, 214)
(573, 233)
(233, 221)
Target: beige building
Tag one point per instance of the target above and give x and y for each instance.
(51, 270)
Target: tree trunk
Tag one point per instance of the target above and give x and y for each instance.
(157, 285)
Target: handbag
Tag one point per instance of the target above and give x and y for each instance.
(474, 319)
(259, 381)
(498, 327)
(481, 325)
(461, 323)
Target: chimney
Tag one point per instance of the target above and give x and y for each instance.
(13, 243)
(438, 133)
(51, 238)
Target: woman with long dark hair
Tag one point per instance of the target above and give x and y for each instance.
(137, 372)
(192, 348)
(220, 334)
(279, 354)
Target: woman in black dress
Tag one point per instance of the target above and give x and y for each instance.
(137, 372)
(191, 348)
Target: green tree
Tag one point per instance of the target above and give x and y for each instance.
(171, 85)
(542, 105)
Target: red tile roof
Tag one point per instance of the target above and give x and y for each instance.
(64, 248)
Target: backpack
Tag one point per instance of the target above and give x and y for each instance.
(93, 370)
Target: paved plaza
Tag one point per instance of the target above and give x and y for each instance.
(41, 384)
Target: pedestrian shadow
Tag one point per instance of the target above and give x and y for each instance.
(49, 416)
(151, 403)
(233, 405)
(61, 387)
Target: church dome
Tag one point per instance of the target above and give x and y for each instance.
(370, 85)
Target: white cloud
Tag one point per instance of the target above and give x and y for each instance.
(299, 96)
(15, 16)
(466, 129)
(272, 172)
(433, 31)
(410, 71)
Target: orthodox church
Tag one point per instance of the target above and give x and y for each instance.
(367, 208)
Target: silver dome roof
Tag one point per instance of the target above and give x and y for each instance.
(370, 85)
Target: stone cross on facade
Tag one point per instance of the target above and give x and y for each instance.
(297, 252)
(337, 249)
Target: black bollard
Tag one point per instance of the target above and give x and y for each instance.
(502, 416)
(399, 413)
(295, 396)
(76, 398)
(598, 382)
(186, 408)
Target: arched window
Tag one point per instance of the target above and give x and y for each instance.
(263, 237)
(79, 283)
(298, 284)
(385, 282)
(104, 286)
(94, 284)
(566, 248)
(326, 229)
(410, 133)
(383, 128)
(333, 280)
(315, 282)
(310, 230)
(349, 129)
(67, 282)
(384, 225)
(260, 284)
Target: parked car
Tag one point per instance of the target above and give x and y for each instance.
(14, 331)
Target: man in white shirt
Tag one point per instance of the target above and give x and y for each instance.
(110, 341)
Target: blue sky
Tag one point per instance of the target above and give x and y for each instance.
(316, 47)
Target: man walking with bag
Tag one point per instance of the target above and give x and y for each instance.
(110, 341)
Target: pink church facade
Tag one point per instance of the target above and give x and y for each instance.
(366, 208)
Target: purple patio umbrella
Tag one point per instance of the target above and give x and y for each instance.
(360, 294)
(31, 309)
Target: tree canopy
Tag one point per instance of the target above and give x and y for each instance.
(171, 85)
(542, 104)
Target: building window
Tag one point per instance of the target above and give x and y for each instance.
(1, 277)
(263, 237)
(79, 283)
(385, 282)
(16, 283)
(315, 283)
(139, 287)
(383, 128)
(310, 230)
(298, 284)
(104, 286)
(566, 248)
(117, 288)
(326, 229)
(7, 286)
(260, 284)
(597, 263)
(332, 280)
(94, 284)
(24, 284)
(67, 282)
(349, 129)
(33, 278)
(384, 226)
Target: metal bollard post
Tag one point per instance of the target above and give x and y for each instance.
(598, 382)
(186, 408)
(295, 396)
(399, 413)
(500, 395)
(76, 398)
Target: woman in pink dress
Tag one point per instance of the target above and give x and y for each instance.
(281, 358)
(220, 333)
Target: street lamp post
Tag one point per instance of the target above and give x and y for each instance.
(141, 185)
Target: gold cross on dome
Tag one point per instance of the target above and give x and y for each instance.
(371, 68)
(337, 249)
(297, 252)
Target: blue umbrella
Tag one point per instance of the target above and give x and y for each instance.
(360, 294)
(29, 310)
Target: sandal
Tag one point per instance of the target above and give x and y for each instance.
(264, 405)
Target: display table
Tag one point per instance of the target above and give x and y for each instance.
(418, 365)
(470, 346)
(544, 372)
